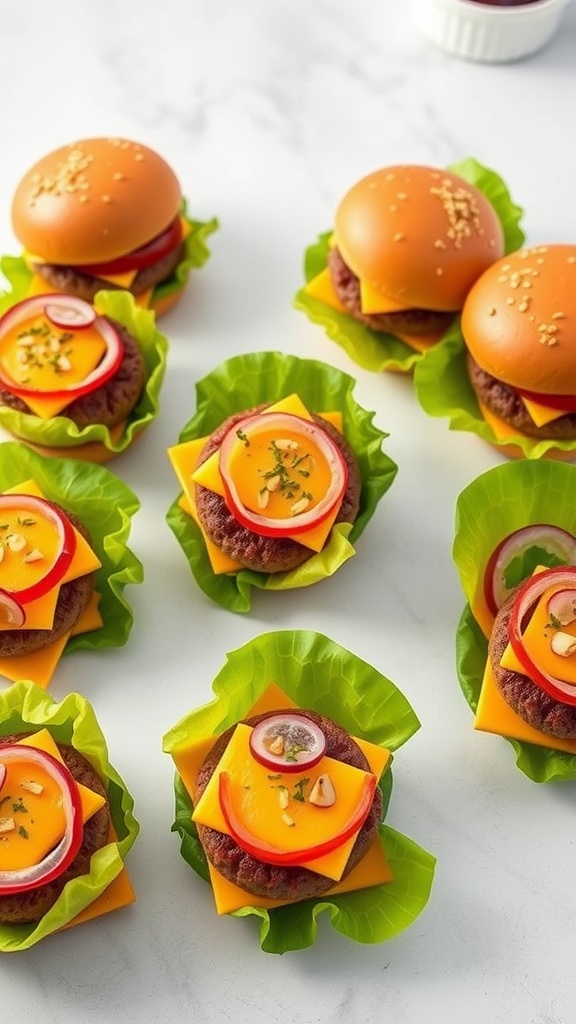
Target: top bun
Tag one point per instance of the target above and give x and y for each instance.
(418, 235)
(519, 320)
(94, 200)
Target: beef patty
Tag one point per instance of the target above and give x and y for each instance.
(505, 402)
(266, 554)
(74, 282)
(406, 321)
(25, 907)
(72, 600)
(527, 699)
(270, 880)
(108, 404)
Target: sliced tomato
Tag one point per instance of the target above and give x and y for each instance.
(565, 578)
(66, 543)
(566, 403)
(267, 526)
(552, 539)
(61, 856)
(141, 258)
(270, 854)
(38, 305)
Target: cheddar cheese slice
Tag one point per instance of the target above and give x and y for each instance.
(494, 715)
(372, 870)
(372, 301)
(537, 637)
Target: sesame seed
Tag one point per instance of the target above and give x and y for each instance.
(402, 195)
(138, 156)
(492, 311)
(558, 315)
(106, 198)
(510, 300)
(393, 209)
(439, 244)
(439, 271)
(572, 259)
(398, 237)
(118, 176)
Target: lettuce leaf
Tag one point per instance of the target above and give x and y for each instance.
(60, 432)
(262, 377)
(377, 351)
(24, 707)
(499, 501)
(318, 674)
(196, 254)
(105, 504)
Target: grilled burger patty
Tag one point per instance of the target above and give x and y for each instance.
(292, 883)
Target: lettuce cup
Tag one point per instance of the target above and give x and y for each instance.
(78, 379)
(369, 281)
(308, 682)
(72, 867)
(515, 553)
(280, 471)
(64, 561)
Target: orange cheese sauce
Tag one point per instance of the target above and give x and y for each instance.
(284, 470)
(28, 547)
(38, 818)
(38, 355)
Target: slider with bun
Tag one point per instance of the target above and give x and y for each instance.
(66, 820)
(515, 551)
(105, 213)
(408, 242)
(508, 373)
(280, 800)
(280, 471)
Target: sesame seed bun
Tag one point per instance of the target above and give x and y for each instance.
(418, 235)
(94, 200)
(519, 320)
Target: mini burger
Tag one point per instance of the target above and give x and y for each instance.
(280, 470)
(515, 551)
(65, 818)
(519, 327)
(105, 213)
(407, 244)
(63, 561)
(285, 804)
(76, 380)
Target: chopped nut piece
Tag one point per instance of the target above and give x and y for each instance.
(7, 825)
(32, 787)
(34, 556)
(273, 482)
(563, 644)
(323, 793)
(277, 745)
(16, 541)
(283, 798)
(1, 552)
(288, 820)
(286, 444)
(299, 506)
(263, 498)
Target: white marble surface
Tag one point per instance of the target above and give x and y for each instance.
(268, 110)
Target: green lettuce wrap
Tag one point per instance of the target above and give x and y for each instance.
(318, 674)
(26, 708)
(263, 377)
(60, 432)
(375, 350)
(500, 501)
(105, 504)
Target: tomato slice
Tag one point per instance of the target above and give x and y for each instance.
(43, 305)
(565, 403)
(552, 539)
(61, 856)
(53, 571)
(290, 472)
(565, 578)
(140, 258)
(270, 854)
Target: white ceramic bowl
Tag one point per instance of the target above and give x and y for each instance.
(482, 32)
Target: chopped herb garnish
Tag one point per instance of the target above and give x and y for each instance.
(299, 789)
(242, 437)
(19, 806)
(22, 832)
(277, 776)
